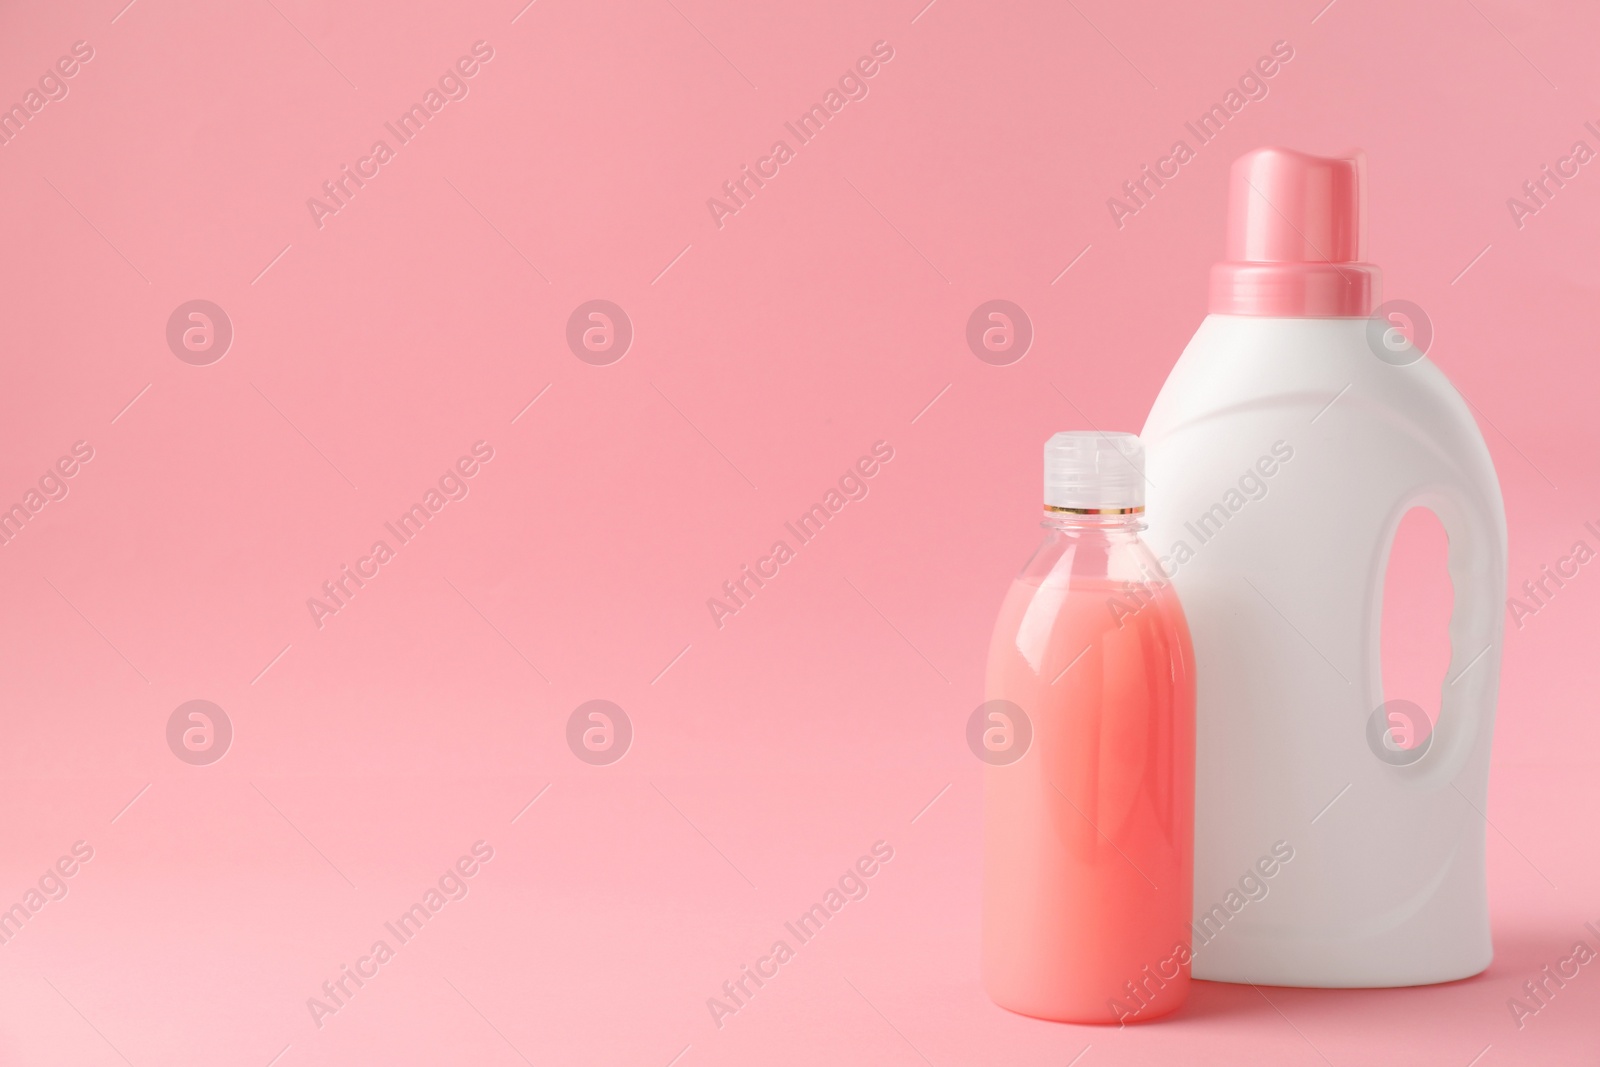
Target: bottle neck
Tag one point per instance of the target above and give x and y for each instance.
(1106, 522)
(1295, 290)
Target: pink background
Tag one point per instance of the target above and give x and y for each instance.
(770, 353)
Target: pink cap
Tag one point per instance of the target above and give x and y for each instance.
(1296, 238)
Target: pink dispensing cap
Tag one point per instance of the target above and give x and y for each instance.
(1296, 238)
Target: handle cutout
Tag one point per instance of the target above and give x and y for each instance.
(1414, 648)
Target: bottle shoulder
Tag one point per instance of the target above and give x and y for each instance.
(1244, 383)
(1079, 594)
(1093, 559)
(1242, 359)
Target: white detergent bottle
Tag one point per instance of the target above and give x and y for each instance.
(1295, 431)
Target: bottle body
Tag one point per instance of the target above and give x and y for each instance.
(1283, 453)
(1088, 836)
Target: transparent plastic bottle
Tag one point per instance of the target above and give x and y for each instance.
(1089, 788)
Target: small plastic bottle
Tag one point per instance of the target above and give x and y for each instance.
(1089, 816)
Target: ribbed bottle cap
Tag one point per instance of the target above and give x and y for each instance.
(1296, 238)
(1089, 472)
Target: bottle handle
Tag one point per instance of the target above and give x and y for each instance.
(1476, 555)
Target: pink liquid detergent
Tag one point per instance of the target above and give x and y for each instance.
(1088, 834)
